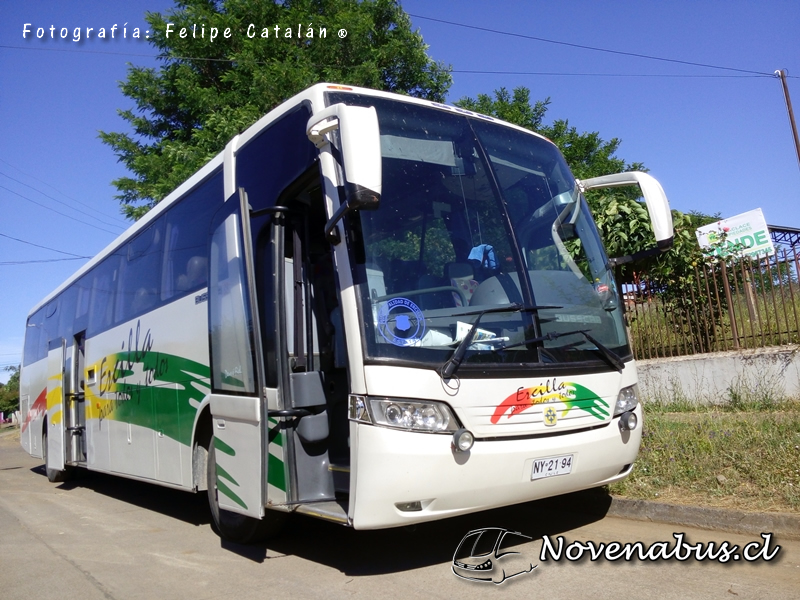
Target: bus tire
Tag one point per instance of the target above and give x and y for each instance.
(232, 526)
(53, 475)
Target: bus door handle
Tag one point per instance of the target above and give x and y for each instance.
(290, 413)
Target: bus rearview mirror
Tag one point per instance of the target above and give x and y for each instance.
(654, 197)
(360, 149)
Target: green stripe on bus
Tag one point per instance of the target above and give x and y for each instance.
(586, 400)
(223, 447)
(275, 435)
(223, 473)
(221, 487)
(169, 395)
(275, 473)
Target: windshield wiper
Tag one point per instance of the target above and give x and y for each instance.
(450, 367)
(612, 359)
(553, 335)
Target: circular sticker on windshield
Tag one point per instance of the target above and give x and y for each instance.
(401, 322)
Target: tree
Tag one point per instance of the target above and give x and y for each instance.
(208, 91)
(9, 393)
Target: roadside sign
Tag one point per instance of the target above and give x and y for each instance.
(748, 229)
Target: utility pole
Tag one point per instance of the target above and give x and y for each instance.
(782, 75)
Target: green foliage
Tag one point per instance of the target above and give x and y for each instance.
(206, 92)
(428, 244)
(514, 108)
(9, 393)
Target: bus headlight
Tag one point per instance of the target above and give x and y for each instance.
(627, 400)
(428, 417)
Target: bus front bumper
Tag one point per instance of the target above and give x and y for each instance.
(401, 478)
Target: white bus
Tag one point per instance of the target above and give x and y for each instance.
(373, 309)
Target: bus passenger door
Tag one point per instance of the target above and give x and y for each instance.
(238, 405)
(55, 405)
(309, 298)
(76, 405)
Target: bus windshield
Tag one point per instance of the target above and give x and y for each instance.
(475, 216)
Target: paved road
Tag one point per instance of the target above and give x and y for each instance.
(103, 537)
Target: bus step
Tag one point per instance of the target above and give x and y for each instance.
(330, 511)
(341, 477)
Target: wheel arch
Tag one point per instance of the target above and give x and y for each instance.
(200, 440)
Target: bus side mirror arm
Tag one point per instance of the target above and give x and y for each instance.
(635, 257)
(657, 207)
(360, 148)
(331, 231)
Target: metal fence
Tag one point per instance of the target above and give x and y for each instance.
(742, 303)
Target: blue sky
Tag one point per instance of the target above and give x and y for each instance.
(718, 140)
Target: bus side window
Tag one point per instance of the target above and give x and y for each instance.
(103, 280)
(35, 338)
(139, 288)
(195, 275)
(185, 252)
(67, 304)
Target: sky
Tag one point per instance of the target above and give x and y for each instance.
(717, 136)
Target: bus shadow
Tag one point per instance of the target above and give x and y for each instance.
(378, 552)
(358, 553)
(177, 504)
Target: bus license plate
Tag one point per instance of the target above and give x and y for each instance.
(550, 467)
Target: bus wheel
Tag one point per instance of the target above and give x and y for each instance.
(233, 526)
(53, 475)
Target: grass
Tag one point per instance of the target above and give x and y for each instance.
(743, 455)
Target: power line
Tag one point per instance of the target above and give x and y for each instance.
(55, 211)
(550, 73)
(596, 49)
(57, 190)
(79, 51)
(63, 203)
(592, 48)
(9, 263)
(39, 246)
